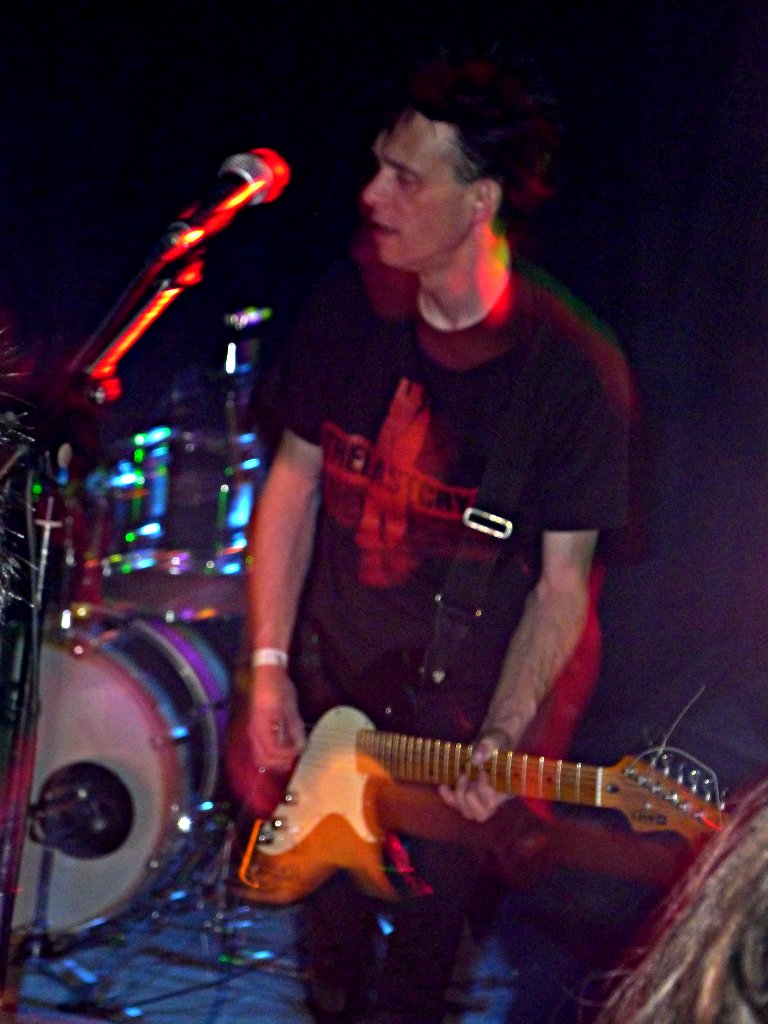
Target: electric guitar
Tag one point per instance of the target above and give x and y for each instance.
(327, 819)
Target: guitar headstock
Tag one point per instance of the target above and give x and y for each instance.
(666, 789)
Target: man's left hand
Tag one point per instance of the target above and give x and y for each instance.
(476, 799)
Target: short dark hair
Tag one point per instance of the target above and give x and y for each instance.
(506, 123)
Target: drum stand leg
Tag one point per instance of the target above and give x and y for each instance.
(216, 923)
(37, 950)
(228, 918)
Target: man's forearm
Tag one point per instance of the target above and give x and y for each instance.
(281, 546)
(546, 637)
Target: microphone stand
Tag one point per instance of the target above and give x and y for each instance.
(173, 265)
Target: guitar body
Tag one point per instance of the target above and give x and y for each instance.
(325, 822)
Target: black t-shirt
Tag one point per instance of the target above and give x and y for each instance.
(406, 440)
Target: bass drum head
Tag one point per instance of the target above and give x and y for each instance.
(127, 742)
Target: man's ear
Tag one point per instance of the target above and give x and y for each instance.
(487, 199)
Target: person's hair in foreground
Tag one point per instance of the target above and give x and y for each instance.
(707, 961)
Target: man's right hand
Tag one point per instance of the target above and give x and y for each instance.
(275, 730)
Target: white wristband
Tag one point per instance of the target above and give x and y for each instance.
(269, 656)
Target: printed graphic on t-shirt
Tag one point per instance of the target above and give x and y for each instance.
(400, 511)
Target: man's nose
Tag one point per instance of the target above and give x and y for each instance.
(375, 191)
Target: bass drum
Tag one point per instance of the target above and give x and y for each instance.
(130, 734)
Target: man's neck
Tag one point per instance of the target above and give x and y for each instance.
(463, 295)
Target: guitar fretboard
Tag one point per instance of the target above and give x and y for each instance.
(415, 759)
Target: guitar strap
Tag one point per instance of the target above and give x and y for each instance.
(467, 579)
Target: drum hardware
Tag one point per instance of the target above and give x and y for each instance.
(181, 733)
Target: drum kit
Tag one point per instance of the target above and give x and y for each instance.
(128, 787)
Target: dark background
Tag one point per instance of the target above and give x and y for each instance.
(115, 117)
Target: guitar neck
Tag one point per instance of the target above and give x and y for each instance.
(414, 759)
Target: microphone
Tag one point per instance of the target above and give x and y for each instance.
(245, 179)
(261, 174)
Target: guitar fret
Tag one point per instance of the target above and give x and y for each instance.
(599, 788)
(541, 776)
(558, 778)
(523, 775)
(457, 748)
(578, 782)
(508, 772)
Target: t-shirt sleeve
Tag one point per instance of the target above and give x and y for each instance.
(585, 483)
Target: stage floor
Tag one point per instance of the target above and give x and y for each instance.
(204, 957)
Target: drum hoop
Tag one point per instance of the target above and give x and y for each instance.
(165, 638)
